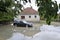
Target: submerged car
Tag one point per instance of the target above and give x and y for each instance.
(22, 24)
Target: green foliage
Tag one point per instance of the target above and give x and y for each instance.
(5, 11)
(59, 6)
(27, 1)
(48, 9)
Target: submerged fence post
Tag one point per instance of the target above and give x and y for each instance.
(13, 27)
(26, 27)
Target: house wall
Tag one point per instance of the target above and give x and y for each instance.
(34, 18)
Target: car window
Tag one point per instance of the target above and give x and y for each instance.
(21, 22)
(16, 21)
(24, 21)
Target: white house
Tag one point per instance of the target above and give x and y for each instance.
(29, 14)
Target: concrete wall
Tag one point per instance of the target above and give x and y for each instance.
(37, 19)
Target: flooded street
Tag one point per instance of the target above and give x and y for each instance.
(6, 31)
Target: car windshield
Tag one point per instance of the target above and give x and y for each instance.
(24, 21)
(16, 21)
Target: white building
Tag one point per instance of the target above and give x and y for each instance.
(29, 14)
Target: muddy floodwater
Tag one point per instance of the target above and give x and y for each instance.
(6, 31)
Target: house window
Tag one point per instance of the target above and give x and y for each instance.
(35, 16)
(29, 16)
(22, 17)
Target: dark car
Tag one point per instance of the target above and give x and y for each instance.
(22, 24)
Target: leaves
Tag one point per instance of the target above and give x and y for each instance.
(27, 1)
(47, 10)
(5, 5)
(5, 11)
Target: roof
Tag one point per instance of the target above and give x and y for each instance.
(29, 11)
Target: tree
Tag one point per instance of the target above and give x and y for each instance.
(59, 6)
(5, 11)
(48, 9)
(18, 5)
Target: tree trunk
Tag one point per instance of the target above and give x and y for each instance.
(48, 21)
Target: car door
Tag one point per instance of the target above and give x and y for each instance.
(22, 24)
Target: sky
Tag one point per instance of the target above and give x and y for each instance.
(31, 4)
(58, 1)
(34, 5)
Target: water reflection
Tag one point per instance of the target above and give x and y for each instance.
(47, 33)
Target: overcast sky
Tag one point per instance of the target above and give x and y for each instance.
(34, 5)
(31, 4)
(58, 1)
